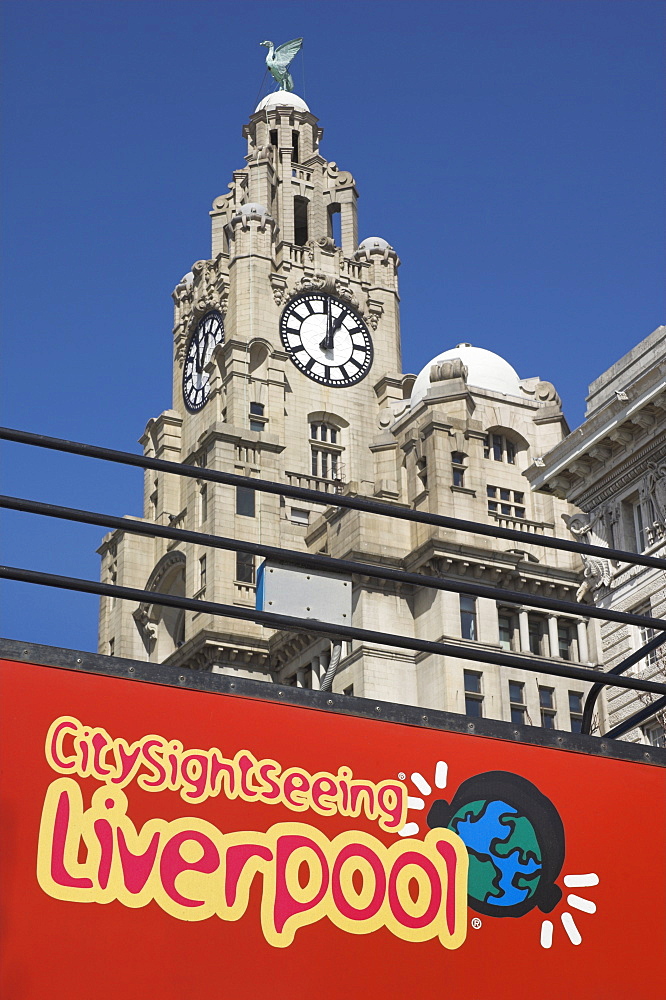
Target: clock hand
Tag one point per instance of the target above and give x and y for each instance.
(331, 330)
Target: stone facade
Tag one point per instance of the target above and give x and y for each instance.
(613, 467)
(456, 441)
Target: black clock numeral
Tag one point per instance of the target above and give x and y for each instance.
(327, 372)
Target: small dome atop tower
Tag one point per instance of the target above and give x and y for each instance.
(281, 99)
(485, 370)
(374, 243)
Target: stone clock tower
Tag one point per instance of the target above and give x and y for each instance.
(286, 349)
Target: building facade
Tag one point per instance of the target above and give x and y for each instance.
(613, 467)
(287, 367)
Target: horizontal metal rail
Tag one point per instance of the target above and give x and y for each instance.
(270, 620)
(617, 670)
(327, 563)
(327, 499)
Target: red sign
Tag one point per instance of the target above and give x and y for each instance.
(161, 842)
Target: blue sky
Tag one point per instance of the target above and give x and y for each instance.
(510, 150)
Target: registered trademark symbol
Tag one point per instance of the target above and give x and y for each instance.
(402, 775)
(476, 923)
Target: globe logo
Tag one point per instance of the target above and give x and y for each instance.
(515, 841)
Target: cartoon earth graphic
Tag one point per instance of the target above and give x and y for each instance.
(515, 841)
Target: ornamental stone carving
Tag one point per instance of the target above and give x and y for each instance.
(326, 283)
(590, 529)
(448, 369)
(655, 486)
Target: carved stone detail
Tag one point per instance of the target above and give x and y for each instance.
(445, 370)
(591, 529)
(326, 283)
(279, 287)
(205, 287)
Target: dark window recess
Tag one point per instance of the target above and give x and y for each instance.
(334, 224)
(273, 137)
(300, 221)
(295, 147)
(257, 425)
(576, 711)
(458, 468)
(517, 701)
(349, 690)
(468, 628)
(245, 501)
(473, 694)
(257, 409)
(565, 641)
(547, 706)
(500, 448)
(244, 567)
(505, 627)
(202, 573)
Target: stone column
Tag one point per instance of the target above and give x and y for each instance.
(583, 651)
(523, 630)
(553, 637)
(315, 666)
(300, 677)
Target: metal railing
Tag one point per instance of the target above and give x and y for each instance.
(598, 677)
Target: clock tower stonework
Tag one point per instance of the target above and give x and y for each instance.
(286, 350)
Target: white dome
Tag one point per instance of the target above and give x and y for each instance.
(282, 98)
(251, 208)
(485, 370)
(374, 243)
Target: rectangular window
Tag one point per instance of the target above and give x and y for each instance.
(565, 641)
(257, 425)
(468, 628)
(517, 701)
(576, 711)
(537, 635)
(458, 467)
(645, 633)
(655, 734)
(257, 409)
(547, 706)
(202, 573)
(512, 505)
(639, 527)
(505, 628)
(203, 493)
(473, 694)
(244, 567)
(245, 501)
(498, 450)
(510, 452)
(299, 516)
(486, 446)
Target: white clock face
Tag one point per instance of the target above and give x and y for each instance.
(326, 339)
(208, 334)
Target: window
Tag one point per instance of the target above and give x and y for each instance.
(473, 694)
(458, 467)
(655, 734)
(295, 155)
(506, 629)
(537, 635)
(517, 702)
(257, 419)
(508, 503)
(349, 690)
(112, 648)
(499, 448)
(244, 567)
(325, 461)
(576, 711)
(300, 221)
(203, 501)
(468, 617)
(202, 573)
(422, 471)
(273, 137)
(299, 516)
(547, 705)
(245, 501)
(565, 640)
(645, 633)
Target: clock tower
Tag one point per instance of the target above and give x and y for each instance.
(286, 351)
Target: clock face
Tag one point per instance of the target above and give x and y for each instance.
(326, 339)
(208, 334)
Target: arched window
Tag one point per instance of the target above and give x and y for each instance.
(163, 629)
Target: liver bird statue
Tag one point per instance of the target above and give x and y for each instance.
(278, 60)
